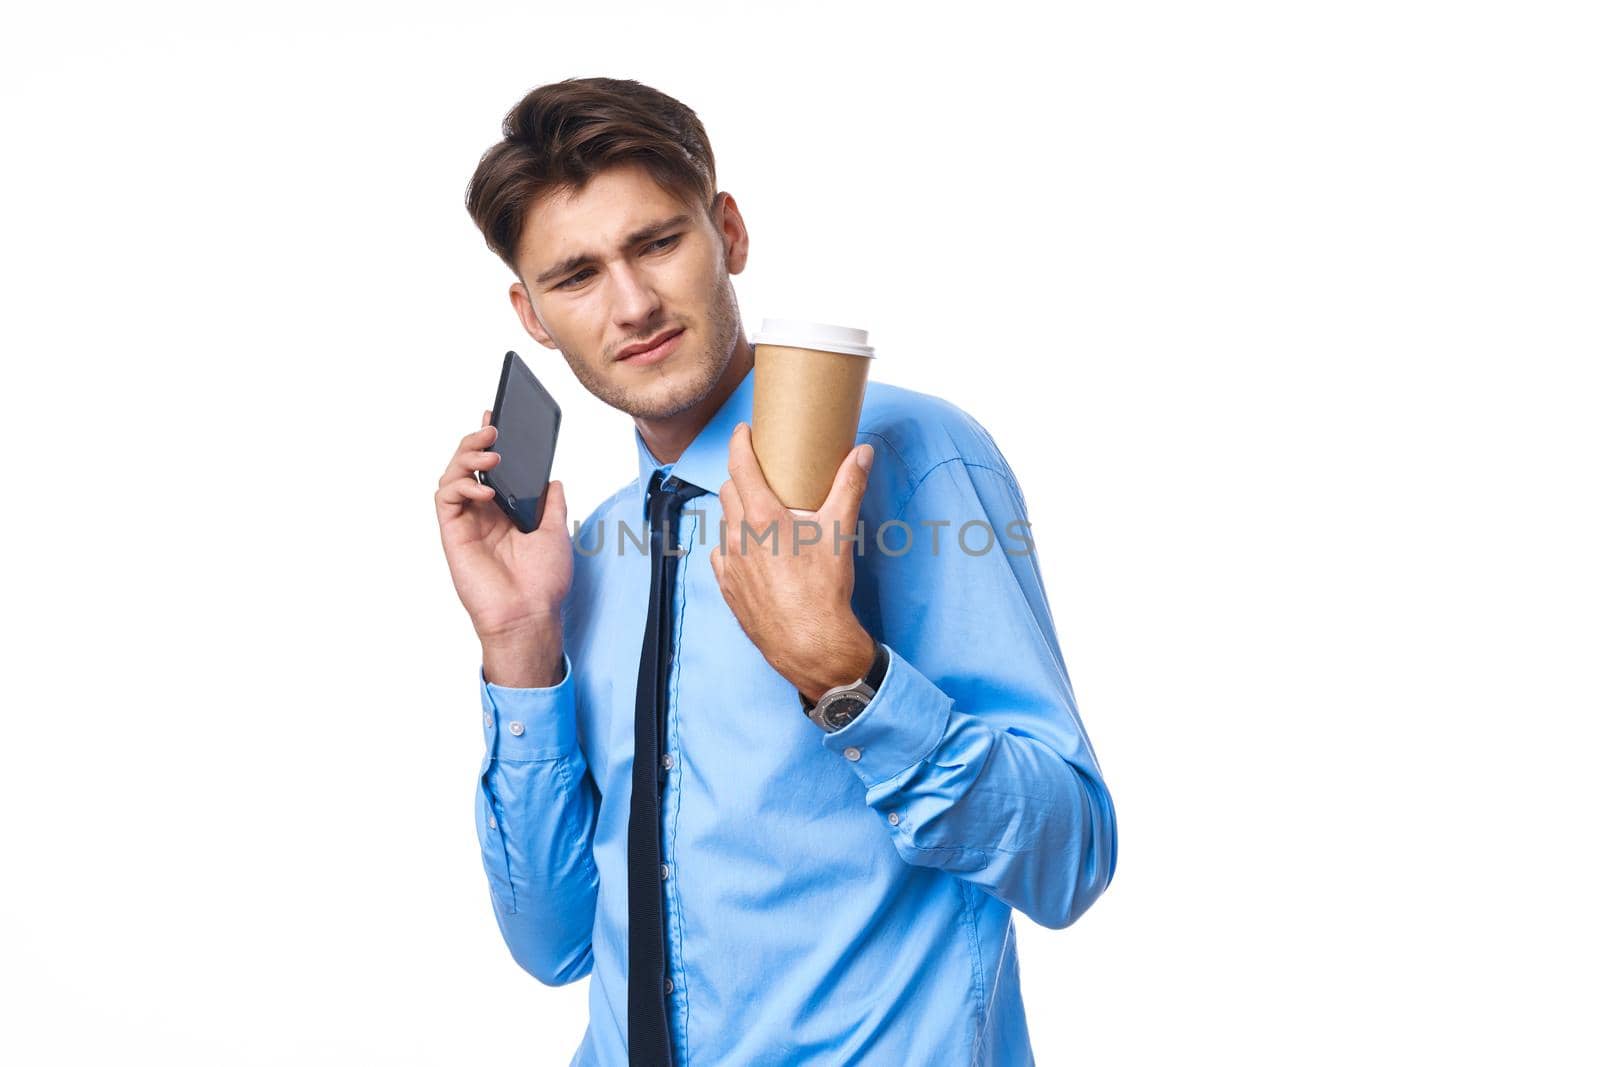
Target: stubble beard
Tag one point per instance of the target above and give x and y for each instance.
(694, 378)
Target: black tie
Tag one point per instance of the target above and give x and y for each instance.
(648, 1041)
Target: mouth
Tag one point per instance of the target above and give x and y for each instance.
(635, 356)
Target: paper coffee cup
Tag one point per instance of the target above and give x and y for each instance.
(811, 379)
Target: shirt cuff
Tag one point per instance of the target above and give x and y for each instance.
(903, 722)
(529, 724)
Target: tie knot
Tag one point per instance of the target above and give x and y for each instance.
(667, 485)
(667, 497)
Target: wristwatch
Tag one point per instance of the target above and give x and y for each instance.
(839, 706)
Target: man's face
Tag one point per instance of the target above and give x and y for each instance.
(601, 277)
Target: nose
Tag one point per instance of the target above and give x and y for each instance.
(637, 300)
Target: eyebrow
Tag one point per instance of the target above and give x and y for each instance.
(572, 263)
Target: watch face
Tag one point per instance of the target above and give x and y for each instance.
(842, 712)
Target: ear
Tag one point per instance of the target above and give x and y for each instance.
(529, 315)
(730, 227)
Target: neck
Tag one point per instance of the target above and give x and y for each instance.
(668, 438)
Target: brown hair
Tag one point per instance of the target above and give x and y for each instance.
(563, 134)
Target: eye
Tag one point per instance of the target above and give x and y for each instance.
(668, 241)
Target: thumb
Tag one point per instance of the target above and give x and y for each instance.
(555, 508)
(849, 486)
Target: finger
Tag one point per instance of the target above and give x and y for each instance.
(486, 414)
(476, 443)
(732, 502)
(849, 486)
(468, 462)
(555, 508)
(719, 569)
(459, 492)
(759, 501)
(732, 511)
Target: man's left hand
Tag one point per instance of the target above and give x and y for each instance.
(791, 590)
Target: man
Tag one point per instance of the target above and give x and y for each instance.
(766, 885)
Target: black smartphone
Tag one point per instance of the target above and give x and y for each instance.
(528, 419)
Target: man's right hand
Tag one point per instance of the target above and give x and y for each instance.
(511, 583)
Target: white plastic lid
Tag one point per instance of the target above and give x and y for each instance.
(798, 333)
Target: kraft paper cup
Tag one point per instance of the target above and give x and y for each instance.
(811, 379)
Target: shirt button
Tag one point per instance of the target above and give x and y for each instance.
(666, 869)
(494, 824)
(516, 728)
(894, 818)
(488, 720)
(669, 985)
(852, 753)
(666, 761)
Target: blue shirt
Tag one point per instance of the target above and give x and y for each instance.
(832, 898)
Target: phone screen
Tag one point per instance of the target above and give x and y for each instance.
(529, 420)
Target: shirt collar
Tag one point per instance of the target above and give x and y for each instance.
(705, 462)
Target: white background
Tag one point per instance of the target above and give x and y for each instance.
(1284, 315)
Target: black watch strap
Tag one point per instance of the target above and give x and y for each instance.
(879, 668)
(874, 676)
